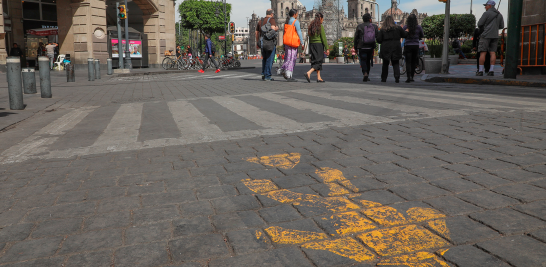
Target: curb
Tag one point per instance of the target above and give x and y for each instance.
(485, 81)
(169, 72)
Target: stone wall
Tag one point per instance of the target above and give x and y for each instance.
(534, 12)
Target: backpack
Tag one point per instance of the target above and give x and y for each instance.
(212, 48)
(369, 34)
(268, 37)
(455, 45)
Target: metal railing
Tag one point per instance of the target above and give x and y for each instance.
(532, 46)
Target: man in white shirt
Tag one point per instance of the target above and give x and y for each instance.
(50, 51)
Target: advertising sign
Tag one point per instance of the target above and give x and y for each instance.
(134, 46)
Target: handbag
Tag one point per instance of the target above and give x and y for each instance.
(291, 37)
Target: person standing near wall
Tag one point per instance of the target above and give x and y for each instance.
(50, 51)
(391, 49)
(317, 45)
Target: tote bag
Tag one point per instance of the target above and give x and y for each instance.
(291, 37)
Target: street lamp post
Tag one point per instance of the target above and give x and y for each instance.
(224, 2)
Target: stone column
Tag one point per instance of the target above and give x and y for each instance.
(17, 34)
(170, 33)
(65, 12)
(3, 51)
(89, 16)
(151, 29)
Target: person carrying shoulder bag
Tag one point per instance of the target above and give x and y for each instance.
(292, 38)
(266, 38)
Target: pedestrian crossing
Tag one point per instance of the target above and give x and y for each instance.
(133, 126)
(186, 76)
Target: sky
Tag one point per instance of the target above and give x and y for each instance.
(244, 8)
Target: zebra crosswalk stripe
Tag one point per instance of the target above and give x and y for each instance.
(122, 131)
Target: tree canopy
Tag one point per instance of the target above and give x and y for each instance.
(200, 14)
(460, 24)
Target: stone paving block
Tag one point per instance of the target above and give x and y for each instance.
(209, 170)
(183, 165)
(379, 196)
(196, 208)
(537, 209)
(418, 191)
(435, 173)
(142, 255)
(148, 233)
(456, 158)
(237, 220)
(537, 169)
(107, 192)
(146, 188)
(540, 183)
(400, 178)
(132, 179)
(517, 250)
(383, 148)
(294, 181)
(354, 162)
(452, 148)
(539, 234)
(492, 165)
(103, 173)
(522, 192)
(264, 174)
(384, 168)
(366, 184)
(487, 179)
(204, 247)
(518, 175)
(234, 178)
(236, 203)
(166, 175)
(15, 232)
(60, 211)
(470, 256)
(302, 168)
(420, 163)
(452, 205)
(212, 192)
(248, 241)
(463, 169)
(486, 154)
(282, 257)
(508, 221)
(269, 202)
(325, 258)
(383, 157)
(457, 185)
(515, 149)
(31, 249)
(155, 213)
(56, 261)
(101, 182)
(242, 166)
(419, 152)
(63, 187)
(527, 160)
(92, 241)
(98, 258)
(35, 201)
(192, 226)
(300, 225)
(31, 191)
(281, 213)
(352, 173)
(202, 162)
(121, 203)
(462, 230)
(181, 196)
(487, 199)
(57, 227)
(118, 219)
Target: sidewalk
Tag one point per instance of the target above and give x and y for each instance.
(466, 74)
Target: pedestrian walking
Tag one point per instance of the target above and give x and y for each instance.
(489, 24)
(411, 45)
(50, 51)
(353, 54)
(456, 45)
(364, 42)
(475, 42)
(391, 50)
(292, 38)
(346, 54)
(317, 45)
(209, 55)
(266, 39)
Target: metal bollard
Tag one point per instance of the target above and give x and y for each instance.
(97, 69)
(109, 62)
(70, 78)
(29, 81)
(45, 79)
(15, 85)
(90, 69)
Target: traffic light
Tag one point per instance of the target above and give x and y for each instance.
(443, 1)
(232, 27)
(122, 14)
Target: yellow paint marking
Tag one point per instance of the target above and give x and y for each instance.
(346, 247)
(258, 234)
(329, 175)
(332, 204)
(285, 196)
(259, 186)
(442, 251)
(419, 259)
(349, 185)
(440, 227)
(369, 204)
(386, 216)
(289, 236)
(283, 161)
(349, 222)
(419, 214)
(336, 190)
(402, 239)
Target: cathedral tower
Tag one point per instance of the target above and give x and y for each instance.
(357, 9)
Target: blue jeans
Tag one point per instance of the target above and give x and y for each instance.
(460, 51)
(365, 56)
(267, 62)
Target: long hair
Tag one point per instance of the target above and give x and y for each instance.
(314, 26)
(411, 22)
(388, 24)
(291, 13)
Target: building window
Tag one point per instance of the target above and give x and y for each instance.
(40, 10)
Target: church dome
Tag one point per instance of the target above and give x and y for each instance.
(393, 11)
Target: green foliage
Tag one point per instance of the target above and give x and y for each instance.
(347, 41)
(460, 24)
(200, 14)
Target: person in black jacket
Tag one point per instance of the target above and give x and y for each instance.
(475, 43)
(15, 51)
(365, 49)
(391, 48)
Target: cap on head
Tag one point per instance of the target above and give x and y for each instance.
(490, 2)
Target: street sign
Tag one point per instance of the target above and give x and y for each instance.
(221, 38)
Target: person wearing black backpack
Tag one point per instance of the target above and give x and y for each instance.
(266, 40)
(411, 46)
(210, 50)
(364, 41)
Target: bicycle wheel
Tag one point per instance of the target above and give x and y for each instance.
(166, 64)
(403, 66)
(237, 64)
(420, 66)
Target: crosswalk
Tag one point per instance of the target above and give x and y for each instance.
(220, 118)
(187, 76)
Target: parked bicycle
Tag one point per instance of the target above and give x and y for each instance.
(420, 63)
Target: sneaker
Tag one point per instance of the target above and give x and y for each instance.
(201, 71)
(218, 70)
(479, 73)
(263, 78)
(491, 73)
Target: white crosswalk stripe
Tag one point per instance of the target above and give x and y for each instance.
(123, 128)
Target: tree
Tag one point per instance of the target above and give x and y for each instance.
(201, 15)
(460, 24)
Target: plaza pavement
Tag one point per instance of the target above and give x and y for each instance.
(226, 170)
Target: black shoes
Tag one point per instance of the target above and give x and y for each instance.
(408, 80)
(479, 73)
(491, 73)
(365, 79)
(307, 77)
(320, 81)
(397, 80)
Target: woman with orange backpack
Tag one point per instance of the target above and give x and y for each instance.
(292, 41)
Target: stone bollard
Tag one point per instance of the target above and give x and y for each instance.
(15, 85)
(109, 62)
(70, 77)
(29, 81)
(90, 69)
(45, 79)
(97, 69)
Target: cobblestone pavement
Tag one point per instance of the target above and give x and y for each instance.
(227, 170)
